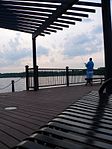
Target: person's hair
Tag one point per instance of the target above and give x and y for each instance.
(90, 59)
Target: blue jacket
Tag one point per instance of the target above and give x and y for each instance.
(90, 66)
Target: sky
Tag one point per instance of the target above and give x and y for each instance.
(71, 47)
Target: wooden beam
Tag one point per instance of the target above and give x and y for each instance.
(89, 4)
(107, 31)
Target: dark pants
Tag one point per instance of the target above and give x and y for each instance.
(89, 81)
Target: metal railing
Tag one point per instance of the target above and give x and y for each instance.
(51, 77)
(48, 77)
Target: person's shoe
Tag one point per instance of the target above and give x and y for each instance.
(91, 84)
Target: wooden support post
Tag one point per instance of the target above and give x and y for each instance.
(34, 64)
(107, 31)
(34, 52)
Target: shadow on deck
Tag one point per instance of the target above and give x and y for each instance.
(36, 109)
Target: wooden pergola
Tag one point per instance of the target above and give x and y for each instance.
(41, 17)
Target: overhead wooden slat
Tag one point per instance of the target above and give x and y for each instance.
(77, 14)
(46, 1)
(24, 10)
(16, 12)
(59, 24)
(23, 27)
(55, 27)
(38, 20)
(71, 18)
(40, 1)
(30, 4)
(12, 23)
(27, 17)
(41, 34)
(28, 21)
(51, 30)
(89, 4)
(22, 23)
(26, 27)
(27, 8)
(65, 21)
(46, 32)
(25, 14)
(83, 9)
(15, 29)
(25, 24)
(40, 17)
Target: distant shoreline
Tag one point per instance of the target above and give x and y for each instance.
(12, 75)
(99, 71)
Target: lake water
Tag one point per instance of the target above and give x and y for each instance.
(20, 83)
(6, 86)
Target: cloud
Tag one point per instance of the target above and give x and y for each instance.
(84, 44)
(97, 30)
(16, 55)
(12, 53)
(88, 20)
(42, 51)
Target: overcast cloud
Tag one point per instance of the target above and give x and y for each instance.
(41, 50)
(84, 44)
(12, 52)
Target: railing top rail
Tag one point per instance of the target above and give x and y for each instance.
(30, 68)
(56, 69)
(51, 69)
(76, 69)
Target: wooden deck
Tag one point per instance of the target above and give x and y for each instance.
(34, 109)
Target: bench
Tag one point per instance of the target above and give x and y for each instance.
(85, 124)
(97, 80)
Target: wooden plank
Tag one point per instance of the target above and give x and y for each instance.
(8, 140)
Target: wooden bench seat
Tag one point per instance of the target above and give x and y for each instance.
(97, 79)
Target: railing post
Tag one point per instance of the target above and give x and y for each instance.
(13, 90)
(36, 83)
(27, 77)
(37, 78)
(67, 75)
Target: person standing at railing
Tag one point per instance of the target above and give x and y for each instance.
(89, 73)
